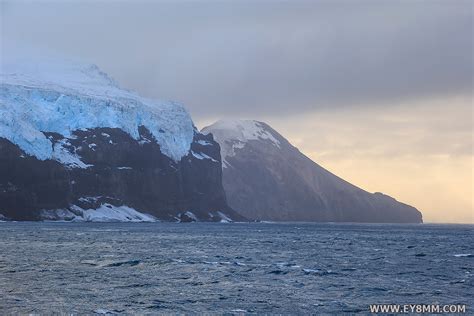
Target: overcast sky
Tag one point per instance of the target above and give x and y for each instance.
(348, 82)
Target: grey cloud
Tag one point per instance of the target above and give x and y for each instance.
(253, 59)
(423, 130)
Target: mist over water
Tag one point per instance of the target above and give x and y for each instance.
(230, 268)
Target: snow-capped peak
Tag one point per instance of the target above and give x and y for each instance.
(234, 134)
(242, 130)
(62, 97)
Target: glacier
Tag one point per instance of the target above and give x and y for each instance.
(64, 96)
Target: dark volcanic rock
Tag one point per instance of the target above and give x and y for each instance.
(121, 171)
(266, 178)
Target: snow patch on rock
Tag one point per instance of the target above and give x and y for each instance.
(234, 134)
(191, 215)
(202, 156)
(105, 213)
(224, 218)
(204, 142)
(67, 158)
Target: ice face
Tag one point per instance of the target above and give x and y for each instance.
(64, 97)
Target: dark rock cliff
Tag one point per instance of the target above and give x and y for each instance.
(120, 171)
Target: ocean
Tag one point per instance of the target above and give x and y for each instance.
(290, 268)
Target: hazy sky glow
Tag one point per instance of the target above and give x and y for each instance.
(379, 92)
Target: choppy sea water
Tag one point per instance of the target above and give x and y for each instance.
(87, 268)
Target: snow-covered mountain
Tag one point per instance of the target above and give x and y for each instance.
(65, 97)
(266, 178)
(74, 145)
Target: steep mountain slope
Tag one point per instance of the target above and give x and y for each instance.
(266, 178)
(74, 145)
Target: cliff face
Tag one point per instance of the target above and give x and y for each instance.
(116, 170)
(80, 151)
(266, 178)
